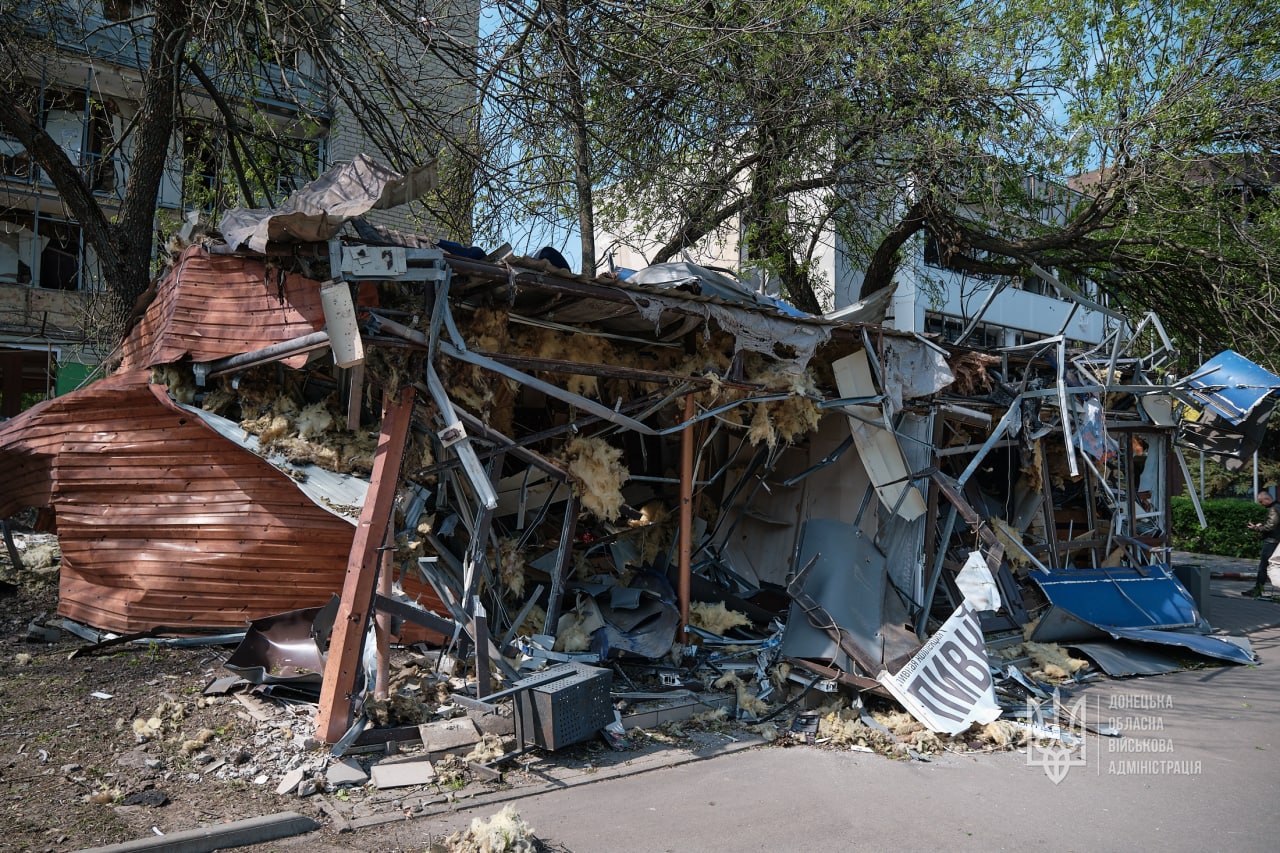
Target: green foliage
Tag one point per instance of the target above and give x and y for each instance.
(1226, 532)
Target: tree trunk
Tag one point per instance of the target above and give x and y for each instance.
(135, 225)
(583, 172)
(769, 240)
(884, 261)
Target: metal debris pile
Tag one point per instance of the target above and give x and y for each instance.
(588, 495)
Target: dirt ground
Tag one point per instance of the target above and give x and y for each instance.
(124, 743)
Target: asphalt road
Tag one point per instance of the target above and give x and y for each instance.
(1197, 769)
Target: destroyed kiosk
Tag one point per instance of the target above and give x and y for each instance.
(665, 480)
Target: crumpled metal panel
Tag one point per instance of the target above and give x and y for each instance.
(848, 581)
(1131, 604)
(1123, 659)
(285, 648)
(1232, 385)
(1124, 596)
(161, 520)
(647, 629)
(318, 211)
(1233, 649)
(681, 274)
(202, 309)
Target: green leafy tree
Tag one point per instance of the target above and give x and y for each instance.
(243, 88)
(784, 122)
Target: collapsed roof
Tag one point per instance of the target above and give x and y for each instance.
(595, 464)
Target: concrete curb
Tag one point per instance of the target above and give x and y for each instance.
(658, 761)
(240, 833)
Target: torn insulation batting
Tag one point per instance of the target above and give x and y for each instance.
(715, 617)
(598, 475)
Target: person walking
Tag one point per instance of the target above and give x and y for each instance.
(1269, 527)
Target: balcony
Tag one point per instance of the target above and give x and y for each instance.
(79, 29)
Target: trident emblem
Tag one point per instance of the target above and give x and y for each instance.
(1052, 746)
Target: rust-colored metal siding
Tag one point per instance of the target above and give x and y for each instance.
(212, 306)
(164, 522)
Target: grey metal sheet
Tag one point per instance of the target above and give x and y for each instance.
(849, 581)
(1120, 658)
(1057, 625)
(1232, 649)
(902, 540)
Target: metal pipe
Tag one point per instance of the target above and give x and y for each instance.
(275, 352)
(686, 515)
(382, 621)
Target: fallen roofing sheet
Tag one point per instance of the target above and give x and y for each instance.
(320, 209)
(1130, 603)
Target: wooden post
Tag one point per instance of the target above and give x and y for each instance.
(343, 662)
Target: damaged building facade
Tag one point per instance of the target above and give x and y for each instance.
(664, 478)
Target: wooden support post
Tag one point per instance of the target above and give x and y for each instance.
(334, 715)
(355, 393)
(686, 515)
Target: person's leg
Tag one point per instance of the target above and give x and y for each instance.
(1273, 568)
(1260, 582)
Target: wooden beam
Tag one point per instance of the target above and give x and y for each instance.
(343, 662)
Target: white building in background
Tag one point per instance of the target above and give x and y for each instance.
(927, 296)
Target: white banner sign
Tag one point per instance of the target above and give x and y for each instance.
(947, 684)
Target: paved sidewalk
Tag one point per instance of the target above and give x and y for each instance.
(1193, 772)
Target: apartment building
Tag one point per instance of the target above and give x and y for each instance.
(87, 86)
